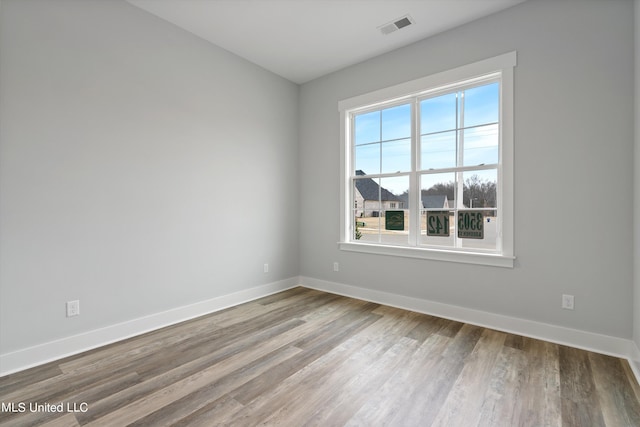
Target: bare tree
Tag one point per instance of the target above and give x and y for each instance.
(481, 191)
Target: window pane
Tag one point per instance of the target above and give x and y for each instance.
(438, 114)
(436, 185)
(396, 156)
(437, 193)
(366, 209)
(481, 105)
(437, 228)
(395, 189)
(396, 122)
(394, 201)
(367, 227)
(481, 145)
(367, 128)
(438, 150)
(368, 158)
(490, 233)
(480, 189)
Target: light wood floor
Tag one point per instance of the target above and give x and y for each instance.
(304, 357)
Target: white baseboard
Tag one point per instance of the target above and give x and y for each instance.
(54, 350)
(58, 349)
(634, 360)
(604, 344)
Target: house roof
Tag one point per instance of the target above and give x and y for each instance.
(368, 189)
(433, 201)
(430, 201)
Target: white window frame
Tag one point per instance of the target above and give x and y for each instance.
(502, 65)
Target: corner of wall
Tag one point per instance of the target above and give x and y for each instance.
(636, 192)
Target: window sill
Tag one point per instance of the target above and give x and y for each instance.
(477, 258)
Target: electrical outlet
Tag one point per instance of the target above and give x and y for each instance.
(336, 266)
(266, 267)
(567, 302)
(73, 308)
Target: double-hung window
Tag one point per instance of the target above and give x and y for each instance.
(427, 167)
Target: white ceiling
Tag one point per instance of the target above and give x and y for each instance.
(305, 39)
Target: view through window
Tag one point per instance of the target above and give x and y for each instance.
(427, 170)
(457, 153)
(427, 166)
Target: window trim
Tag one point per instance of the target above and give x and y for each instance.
(503, 64)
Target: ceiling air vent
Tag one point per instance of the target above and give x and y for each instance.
(397, 24)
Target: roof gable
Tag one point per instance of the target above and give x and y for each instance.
(369, 189)
(434, 201)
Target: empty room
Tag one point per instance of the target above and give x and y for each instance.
(319, 212)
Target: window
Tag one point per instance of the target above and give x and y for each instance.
(428, 167)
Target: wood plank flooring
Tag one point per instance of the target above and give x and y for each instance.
(308, 358)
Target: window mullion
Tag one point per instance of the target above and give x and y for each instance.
(350, 228)
(414, 190)
(460, 161)
(380, 208)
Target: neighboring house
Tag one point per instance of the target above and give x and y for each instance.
(435, 201)
(432, 201)
(373, 200)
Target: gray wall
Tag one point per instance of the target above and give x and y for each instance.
(141, 169)
(573, 167)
